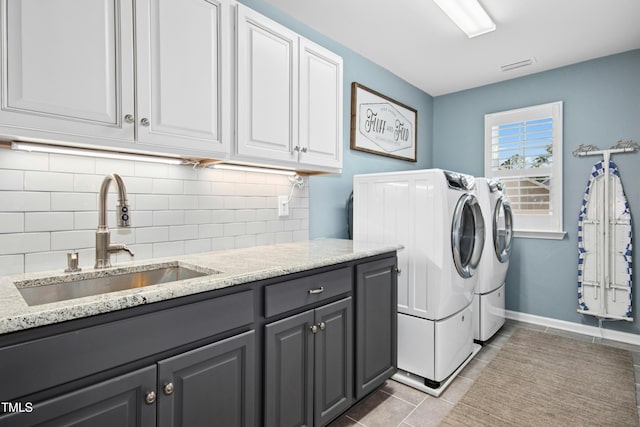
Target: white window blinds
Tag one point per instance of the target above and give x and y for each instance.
(523, 148)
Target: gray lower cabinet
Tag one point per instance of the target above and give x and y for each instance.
(119, 401)
(309, 366)
(211, 385)
(376, 324)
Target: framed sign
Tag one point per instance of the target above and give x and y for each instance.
(381, 125)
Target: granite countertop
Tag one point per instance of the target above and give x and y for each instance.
(235, 267)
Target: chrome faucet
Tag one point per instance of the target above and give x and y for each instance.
(104, 247)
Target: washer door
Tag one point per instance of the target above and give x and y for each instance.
(467, 235)
(502, 230)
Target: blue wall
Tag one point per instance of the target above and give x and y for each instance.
(601, 106)
(328, 193)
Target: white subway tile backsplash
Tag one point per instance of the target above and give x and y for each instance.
(23, 201)
(49, 203)
(63, 240)
(183, 232)
(17, 243)
(257, 227)
(109, 166)
(168, 218)
(235, 229)
(12, 222)
(48, 221)
(48, 181)
(168, 186)
(183, 202)
(152, 234)
(11, 180)
(223, 216)
(210, 202)
(74, 201)
(22, 160)
(75, 164)
(12, 264)
(197, 216)
(166, 249)
(245, 241)
(197, 187)
(152, 202)
(198, 245)
(44, 261)
(223, 243)
(151, 170)
(210, 230)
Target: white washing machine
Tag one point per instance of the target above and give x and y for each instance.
(489, 300)
(435, 215)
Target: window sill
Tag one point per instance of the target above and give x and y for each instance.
(537, 234)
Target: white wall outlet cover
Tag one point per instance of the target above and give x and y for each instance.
(283, 206)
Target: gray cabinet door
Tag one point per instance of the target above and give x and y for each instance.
(333, 360)
(376, 324)
(289, 371)
(115, 402)
(211, 385)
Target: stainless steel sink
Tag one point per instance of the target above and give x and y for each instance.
(61, 288)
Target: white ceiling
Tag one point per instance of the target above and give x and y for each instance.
(415, 40)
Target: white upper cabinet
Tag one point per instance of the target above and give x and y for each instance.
(68, 73)
(267, 55)
(67, 68)
(320, 106)
(289, 97)
(183, 68)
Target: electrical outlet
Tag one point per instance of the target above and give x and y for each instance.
(283, 205)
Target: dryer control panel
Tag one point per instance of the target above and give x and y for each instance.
(460, 181)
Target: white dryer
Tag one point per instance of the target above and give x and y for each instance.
(489, 301)
(435, 215)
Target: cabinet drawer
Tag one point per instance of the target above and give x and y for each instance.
(293, 294)
(68, 356)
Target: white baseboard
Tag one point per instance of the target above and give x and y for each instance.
(593, 331)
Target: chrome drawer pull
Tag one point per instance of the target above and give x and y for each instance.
(317, 290)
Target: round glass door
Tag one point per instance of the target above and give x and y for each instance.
(467, 235)
(502, 229)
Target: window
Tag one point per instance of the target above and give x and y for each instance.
(523, 148)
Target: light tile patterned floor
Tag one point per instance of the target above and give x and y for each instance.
(395, 404)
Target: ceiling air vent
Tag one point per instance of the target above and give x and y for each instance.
(517, 65)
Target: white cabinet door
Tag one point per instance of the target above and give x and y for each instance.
(183, 70)
(320, 106)
(267, 88)
(67, 67)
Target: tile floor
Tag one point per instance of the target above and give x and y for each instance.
(396, 404)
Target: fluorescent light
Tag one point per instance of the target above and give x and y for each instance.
(468, 15)
(55, 149)
(252, 169)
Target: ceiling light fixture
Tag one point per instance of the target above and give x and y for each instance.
(468, 15)
(56, 149)
(516, 65)
(252, 169)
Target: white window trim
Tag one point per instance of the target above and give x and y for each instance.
(554, 229)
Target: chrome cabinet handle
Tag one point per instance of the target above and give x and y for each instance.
(296, 148)
(322, 326)
(168, 388)
(129, 119)
(144, 122)
(303, 149)
(150, 398)
(314, 329)
(316, 291)
(398, 271)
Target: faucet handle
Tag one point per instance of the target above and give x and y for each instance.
(128, 249)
